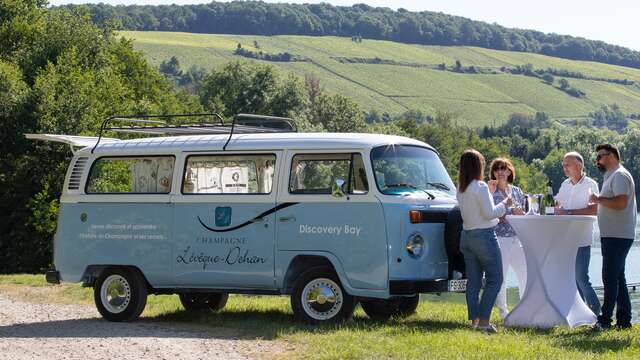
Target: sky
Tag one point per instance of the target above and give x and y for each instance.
(612, 21)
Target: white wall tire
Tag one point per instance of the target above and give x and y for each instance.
(318, 297)
(120, 294)
(115, 293)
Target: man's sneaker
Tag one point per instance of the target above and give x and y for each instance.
(489, 328)
(600, 327)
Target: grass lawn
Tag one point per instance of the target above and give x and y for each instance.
(438, 330)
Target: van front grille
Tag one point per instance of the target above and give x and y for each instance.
(76, 173)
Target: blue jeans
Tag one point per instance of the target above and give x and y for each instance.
(481, 257)
(582, 279)
(614, 254)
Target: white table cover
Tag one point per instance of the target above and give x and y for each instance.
(550, 245)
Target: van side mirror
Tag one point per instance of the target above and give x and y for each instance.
(338, 190)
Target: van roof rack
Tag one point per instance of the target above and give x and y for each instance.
(242, 124)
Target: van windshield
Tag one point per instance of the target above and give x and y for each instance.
(402, 168)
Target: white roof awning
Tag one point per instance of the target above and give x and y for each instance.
(72, 140)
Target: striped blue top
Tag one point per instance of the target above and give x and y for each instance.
(503, 229)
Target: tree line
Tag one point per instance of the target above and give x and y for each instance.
(358, 21)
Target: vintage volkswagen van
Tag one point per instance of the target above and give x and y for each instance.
(329, 219)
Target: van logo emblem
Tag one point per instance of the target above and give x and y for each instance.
(223, 216)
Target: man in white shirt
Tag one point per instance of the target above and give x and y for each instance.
(573, 199)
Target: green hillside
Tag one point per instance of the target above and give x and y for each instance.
(408, 76)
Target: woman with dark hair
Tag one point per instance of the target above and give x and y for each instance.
(478, 241)
(502, 171)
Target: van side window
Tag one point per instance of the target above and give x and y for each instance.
(317, 173)
(229, 174)
(131, 175)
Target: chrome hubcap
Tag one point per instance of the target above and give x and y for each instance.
(322, 299)
(115, 294)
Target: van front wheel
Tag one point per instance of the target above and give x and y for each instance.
(120, 294)
(203, 301)
(319, 297)
(383, 309)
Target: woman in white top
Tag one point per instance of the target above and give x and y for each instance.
(478, 241)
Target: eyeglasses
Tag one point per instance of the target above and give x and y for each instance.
(501, 168)
(601, 155)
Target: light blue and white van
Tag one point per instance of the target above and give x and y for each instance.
(254, 207)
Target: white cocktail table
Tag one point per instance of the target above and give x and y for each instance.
(550, 244)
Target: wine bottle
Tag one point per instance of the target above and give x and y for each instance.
(548, 204)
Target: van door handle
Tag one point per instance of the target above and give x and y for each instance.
(287, 219)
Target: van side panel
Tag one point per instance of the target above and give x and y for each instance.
(136, 234)
(354, 232)
(432, 264)
(224, 244)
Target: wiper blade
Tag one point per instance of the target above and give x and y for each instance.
(439, 185)
(410, 186)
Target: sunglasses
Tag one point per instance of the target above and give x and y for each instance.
(501, 168)
(601, 155)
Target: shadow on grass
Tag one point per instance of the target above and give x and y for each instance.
(583, 339)
(267, 324)
(594, 342)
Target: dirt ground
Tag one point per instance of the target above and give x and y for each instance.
(53, 331)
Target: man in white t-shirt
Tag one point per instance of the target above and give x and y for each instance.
(573, 199)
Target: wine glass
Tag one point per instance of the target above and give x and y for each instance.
(590, 192)
(533, 204)
(508, 192)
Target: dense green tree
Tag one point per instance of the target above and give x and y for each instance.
(171, 67)
(338, 114)
(290, 99)
(548, 78)
(564, 83)
(239, 87)
(609, 116)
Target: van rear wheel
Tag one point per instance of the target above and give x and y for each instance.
(120, 294)
(318, 297)
(383, 309)
(203, 301)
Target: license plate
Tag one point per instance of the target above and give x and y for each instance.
(457, 285)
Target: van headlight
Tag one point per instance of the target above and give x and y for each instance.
(415, 245)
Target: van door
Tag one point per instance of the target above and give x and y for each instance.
(224, 221)
(317, 219)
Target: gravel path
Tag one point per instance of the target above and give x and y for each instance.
(53, 331)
